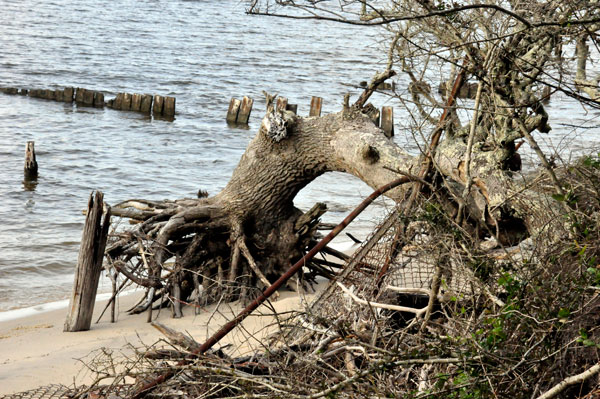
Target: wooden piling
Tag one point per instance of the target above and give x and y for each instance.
(169, 106)
(146, 105)
(50, 95)
(387, 121)
(98, 99)
(23, 92)
(68, 93)
(31, 166)
(58, 95)
(88, 97)
(245, 110)
(157, 107)
(292, 107)
(232, 112)
(315, 106)
(89, 265)
(126, 102)
(136, 102)
(79, 95)
(118, 101)
(282, 103)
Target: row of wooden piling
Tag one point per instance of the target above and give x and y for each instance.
(145, 103)
(239, 110)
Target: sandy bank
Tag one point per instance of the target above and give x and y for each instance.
(34, 350)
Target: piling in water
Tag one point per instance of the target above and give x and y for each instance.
(245, 110)
(234, 108)
(157, 107)
(169, 106)
(315, 106)
(146, 105)
(31, 166)
(387, 121)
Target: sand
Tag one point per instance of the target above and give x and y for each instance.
(34, 350)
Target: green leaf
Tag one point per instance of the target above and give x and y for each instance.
(563, 313)
(558, 197)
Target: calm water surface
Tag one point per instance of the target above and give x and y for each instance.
(201, 52)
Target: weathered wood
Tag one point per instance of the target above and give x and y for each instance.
(157, 107)
(118, 101)
(9, 90)
(79, 95)
(169, 106)
(89, 265)
(136, 102)
(245, 110)
(126, 102)
(282, 103)
(50, 95)
(146, 105)
(293, 108)
(315, 106)
(88, 97)
(68, 93)
(23, 92)
(234, 108)
(98, 99)
(31, 166)
(58, 95)
(387, 121)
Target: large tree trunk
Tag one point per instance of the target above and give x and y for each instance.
(249, 233)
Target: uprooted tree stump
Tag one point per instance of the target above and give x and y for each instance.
(234, 244)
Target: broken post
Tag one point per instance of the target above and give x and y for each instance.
(146, 105)
(282, 103)
(315, 106)
(387, 121)
(169, 106)
(68, 93)
(157, 108)
(232, 112)
(126, 102)
(89, 265)
(136, 102)
(245, 109)
(98, 99)
(31, 166)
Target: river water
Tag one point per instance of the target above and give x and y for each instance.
(201, 52)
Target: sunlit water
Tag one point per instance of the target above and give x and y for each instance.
(201, 52)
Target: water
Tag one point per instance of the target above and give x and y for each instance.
(201, 52)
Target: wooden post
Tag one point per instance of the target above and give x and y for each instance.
(136, 102)
(23, 92)
(31, 166)
(293, 108)
(88, 97)
(157, 108)
(245, 110)
(98, 99)
(282, 103)
(79, 95)
(58, 95)
(89, 265)
(169, 106)
(146, 105)
(234, 108)
(126, 102)
(50, 95)
(315, 106)
(118, 101)
(68, 93)
(387, 121)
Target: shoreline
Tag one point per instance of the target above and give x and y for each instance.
(35, 352)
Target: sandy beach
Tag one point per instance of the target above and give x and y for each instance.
(34, 350)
